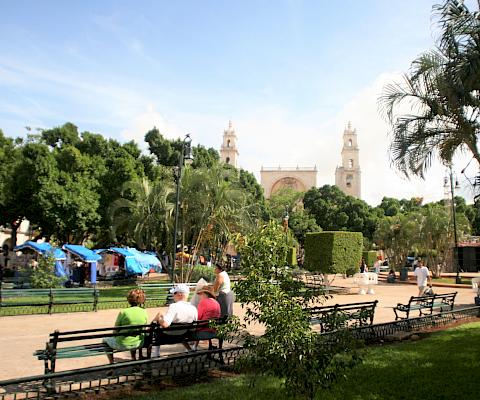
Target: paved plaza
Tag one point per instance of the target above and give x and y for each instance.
(20, 336)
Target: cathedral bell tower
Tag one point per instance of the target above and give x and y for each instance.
(228, 150)
(347, 177)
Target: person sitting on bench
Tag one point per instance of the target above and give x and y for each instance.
(179, 312)
(133, 315)
(392, 277)
(208, 308)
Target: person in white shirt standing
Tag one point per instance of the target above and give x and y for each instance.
(222, 287)
(423, 277)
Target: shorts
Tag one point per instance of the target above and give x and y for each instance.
(111, 341)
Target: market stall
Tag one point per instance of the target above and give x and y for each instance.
(46, 249)
(87, 269)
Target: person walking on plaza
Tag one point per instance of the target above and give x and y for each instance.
(222, 287)
(423, 277)
(133, 315)
(377, 264)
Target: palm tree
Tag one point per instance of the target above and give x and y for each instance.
(441, 96)
(143, 212)
(213, 208)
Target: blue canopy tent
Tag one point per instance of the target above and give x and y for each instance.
(146, 260)
(132, 266)
(87, 256)
(46, 249)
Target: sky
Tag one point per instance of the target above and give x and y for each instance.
(290, 74)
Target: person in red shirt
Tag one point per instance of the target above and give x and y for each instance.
(208, 308)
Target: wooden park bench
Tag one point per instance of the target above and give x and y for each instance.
(48, 297)
(89, 342)
(425, 304)
(343, 315)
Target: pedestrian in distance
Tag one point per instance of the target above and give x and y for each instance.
(423, 277)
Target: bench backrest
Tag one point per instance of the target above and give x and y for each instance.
(341, 315)
(148, 331)
(445, 296)
(97, 333)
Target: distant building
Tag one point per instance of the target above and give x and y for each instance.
(348, 175)
(299, 179)
(228, 150)
(24, 233)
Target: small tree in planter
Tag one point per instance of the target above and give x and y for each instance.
(289, 349)
(43, 275)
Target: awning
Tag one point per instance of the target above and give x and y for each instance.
(42, 248)
(83, 253)
(146, 260)
(132, 264)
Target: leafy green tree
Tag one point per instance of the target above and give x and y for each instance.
(58, 136)
(390, 206)
(204, 158)
(333, 210)
(289, 348)
(441, 95)
(11, 213)
(301, 223)
(168, 151)
(397, 236)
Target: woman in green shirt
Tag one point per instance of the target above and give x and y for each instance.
(133, 315)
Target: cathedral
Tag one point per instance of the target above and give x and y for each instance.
(347, 176)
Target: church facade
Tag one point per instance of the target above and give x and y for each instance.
(299, 179)
(347, 176)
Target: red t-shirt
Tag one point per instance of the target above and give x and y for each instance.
(208, 309)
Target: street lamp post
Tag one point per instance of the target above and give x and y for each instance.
(285, 225)
(184, 157)
(454, 220)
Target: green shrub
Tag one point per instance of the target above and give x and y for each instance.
(43, 276)
(202, 271)
(370, 257)
(292, 256)
(289, 348)
(333, 252)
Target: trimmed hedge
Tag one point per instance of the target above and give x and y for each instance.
(333, 252)
(370, 257)
(292, 256)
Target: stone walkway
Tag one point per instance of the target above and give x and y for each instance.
(20, 336)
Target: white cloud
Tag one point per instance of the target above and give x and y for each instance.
(378, 177)
(146, 120)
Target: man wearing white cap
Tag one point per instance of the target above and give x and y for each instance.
(179, 312)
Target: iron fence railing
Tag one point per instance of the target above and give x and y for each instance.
(106, 377)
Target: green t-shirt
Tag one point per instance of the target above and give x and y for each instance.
(131, 316)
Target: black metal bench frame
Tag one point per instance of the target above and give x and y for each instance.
(444, 302)
(343, 315)
(153, 335)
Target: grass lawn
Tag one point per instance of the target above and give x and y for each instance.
(444, 365)
(465, 281)
(112, 297)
